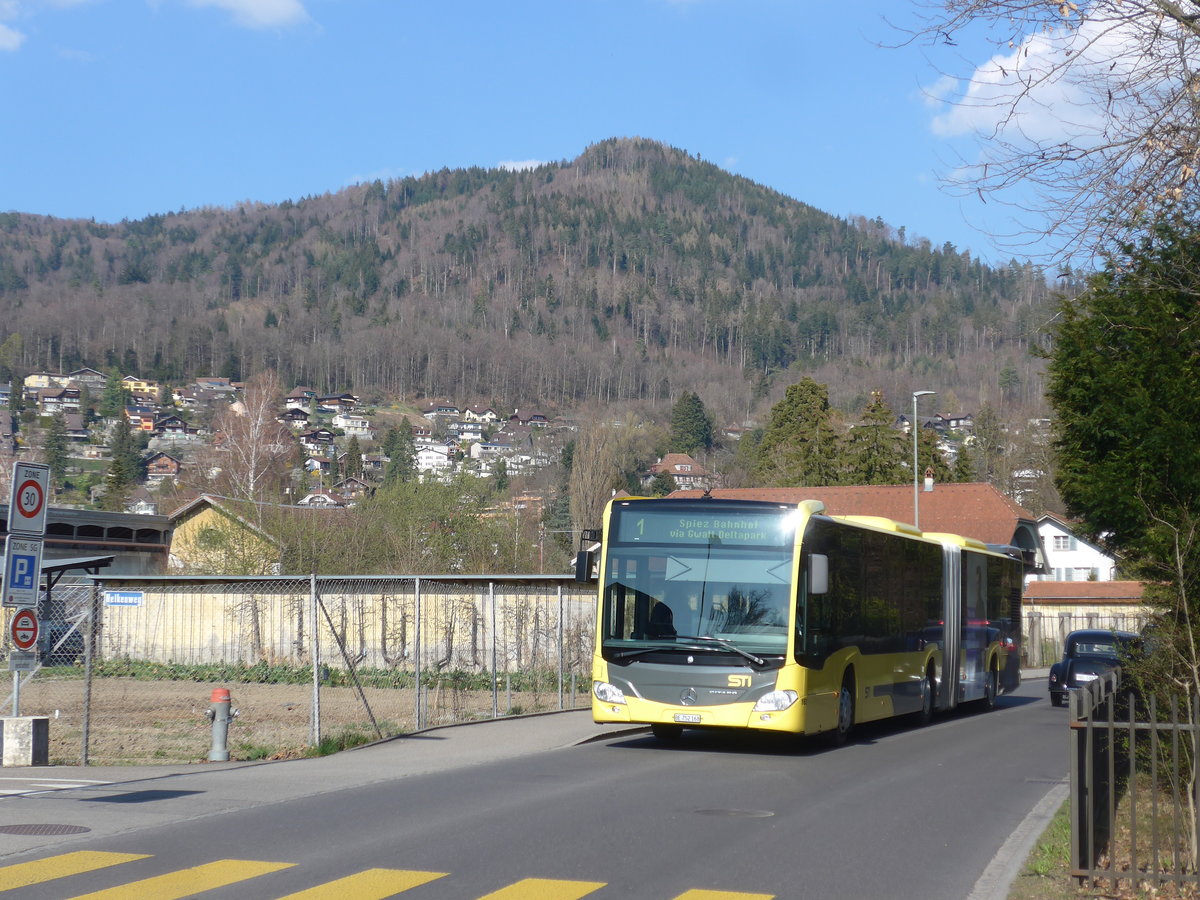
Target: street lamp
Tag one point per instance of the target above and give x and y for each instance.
(917, 395)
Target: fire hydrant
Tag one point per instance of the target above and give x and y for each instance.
(220, 714)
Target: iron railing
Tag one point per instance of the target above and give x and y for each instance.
(1133, 787)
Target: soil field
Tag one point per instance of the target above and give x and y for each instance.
(147, 722)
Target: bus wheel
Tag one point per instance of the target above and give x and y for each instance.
(845, 712)
(991, 687)
(928, 699)
(667, 732)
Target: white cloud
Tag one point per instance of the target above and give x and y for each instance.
(522, 165)
(260, 13)
(10, 38)
(1059, 71)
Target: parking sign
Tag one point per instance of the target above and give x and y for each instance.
(22, 571)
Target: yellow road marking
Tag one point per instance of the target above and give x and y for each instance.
(25, 874)
(185, 882)
(722, 895)
(370, 884)
(545, 889)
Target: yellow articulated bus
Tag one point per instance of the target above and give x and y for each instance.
(777, 617)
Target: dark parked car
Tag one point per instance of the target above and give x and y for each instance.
(1087, 655)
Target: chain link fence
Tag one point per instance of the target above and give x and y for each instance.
(128, 664)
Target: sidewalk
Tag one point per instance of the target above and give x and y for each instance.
(129, 799)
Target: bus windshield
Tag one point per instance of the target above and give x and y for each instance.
(716, 583)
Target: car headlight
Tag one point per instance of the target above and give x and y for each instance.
(776, 701)
(607, 693)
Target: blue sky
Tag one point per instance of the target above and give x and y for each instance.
(123, 108)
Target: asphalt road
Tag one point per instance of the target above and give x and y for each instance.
(521, 810)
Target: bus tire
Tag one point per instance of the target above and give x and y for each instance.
(845, 711)
(928, 698)
(666, 732)
(991, 687)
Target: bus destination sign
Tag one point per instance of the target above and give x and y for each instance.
(669, 527)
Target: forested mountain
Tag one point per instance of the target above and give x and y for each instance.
(634, 272)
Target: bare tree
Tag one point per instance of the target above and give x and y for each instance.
(1092, 105)
(255, 448)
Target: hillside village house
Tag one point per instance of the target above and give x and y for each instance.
(441, 411)
(140, 387)
(484, 414)
(58, 400)
(301, 397)
(91, 379)
(434, 460)
(319, 441)
(161, 466)
(337, 403)
(688, 474)
(354, 426)
(295, 418)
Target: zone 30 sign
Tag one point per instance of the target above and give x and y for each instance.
(27, 505)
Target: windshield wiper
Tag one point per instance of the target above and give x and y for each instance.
(693, 642)
(724, 644)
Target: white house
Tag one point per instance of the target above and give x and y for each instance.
(354, 426)
(1071, 558)
(434, 459)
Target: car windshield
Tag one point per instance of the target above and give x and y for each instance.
(1097, 648)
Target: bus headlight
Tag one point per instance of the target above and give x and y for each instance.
(607, 693)
(776, 701)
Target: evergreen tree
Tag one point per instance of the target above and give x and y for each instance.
(112, 400)
(930, 457)
(691, 425)
(662, 484)
(124, 467)
(353, 464)
(56, 450)
(964, 463)
(501, 476)
(800, 445)
(1125, 387)
(401, 451)
(876, 452)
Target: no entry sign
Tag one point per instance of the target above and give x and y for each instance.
(24, 629)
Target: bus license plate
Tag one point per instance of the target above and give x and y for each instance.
(688, 718)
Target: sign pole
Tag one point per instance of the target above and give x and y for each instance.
(16, 693)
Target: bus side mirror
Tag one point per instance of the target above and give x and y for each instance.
(818, 573)
(585, 560)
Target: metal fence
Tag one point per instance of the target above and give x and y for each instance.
(1045, 634)
(130, 669)
(1134, 813)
